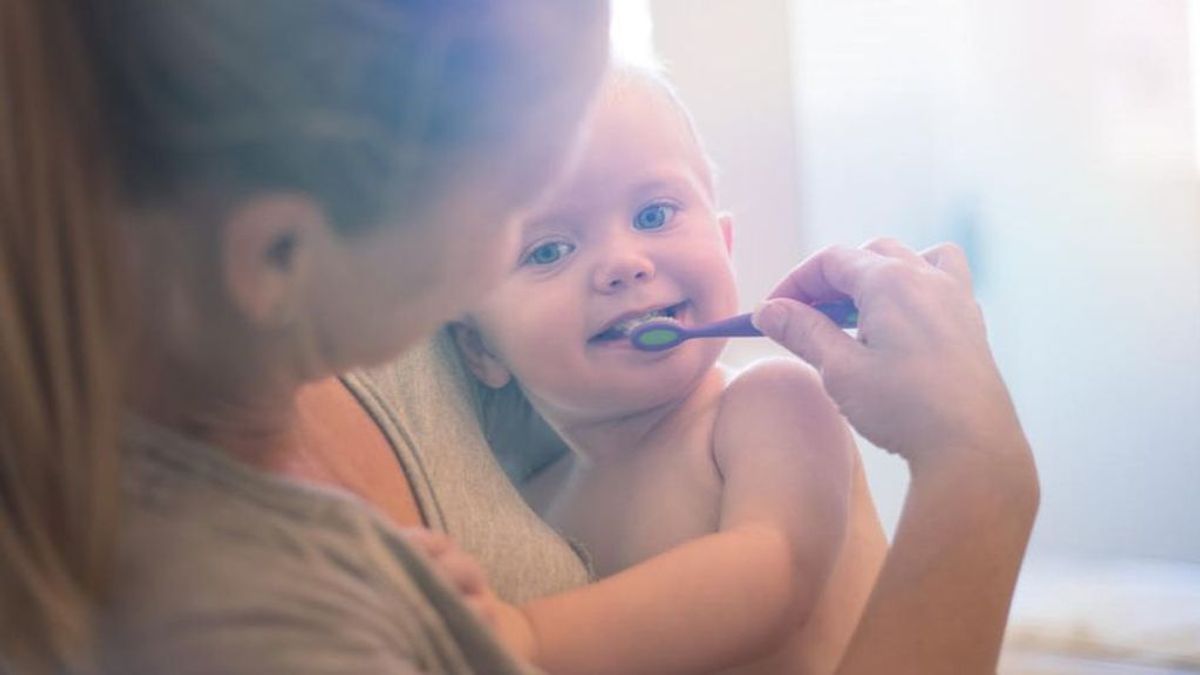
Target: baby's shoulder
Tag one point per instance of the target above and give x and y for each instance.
(771, 383)
(774, 396)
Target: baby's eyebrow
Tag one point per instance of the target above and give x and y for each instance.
(665, 175)
(569, 217)
(560, 220)
(667, 180)
(565, 215)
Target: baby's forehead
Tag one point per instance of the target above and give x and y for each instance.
(646, 95)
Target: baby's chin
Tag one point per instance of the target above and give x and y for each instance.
(640, 387)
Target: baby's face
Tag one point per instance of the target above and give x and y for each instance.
(632, 231)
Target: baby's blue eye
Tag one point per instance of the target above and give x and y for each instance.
(654, 216)
(549, 253)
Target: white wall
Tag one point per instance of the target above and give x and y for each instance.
(1057, 142)
(1093, 245)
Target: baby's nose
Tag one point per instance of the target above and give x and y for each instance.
(622, 272)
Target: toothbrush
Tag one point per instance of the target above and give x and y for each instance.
(661, 334)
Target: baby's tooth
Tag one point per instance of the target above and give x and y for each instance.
(629, 324)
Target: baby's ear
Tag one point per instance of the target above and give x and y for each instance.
(479, 359)
(725, 221)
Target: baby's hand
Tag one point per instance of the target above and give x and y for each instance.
(466, 576)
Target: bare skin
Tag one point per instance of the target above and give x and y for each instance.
(307, 439)
(333, 420)
(604, 506)
(920, 382)
(715, 507)
(941, 600)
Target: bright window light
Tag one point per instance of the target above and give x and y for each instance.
(632, 32)
(1194, 42)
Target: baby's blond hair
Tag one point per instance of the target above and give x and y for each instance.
(625, 79)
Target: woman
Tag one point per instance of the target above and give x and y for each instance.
(212, 208)
(281, 190)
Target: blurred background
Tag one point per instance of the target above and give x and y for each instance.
(1058, 143)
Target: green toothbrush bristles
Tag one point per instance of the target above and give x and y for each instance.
(657, 337)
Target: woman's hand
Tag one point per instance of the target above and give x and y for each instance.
(920, 379)
(466, 576)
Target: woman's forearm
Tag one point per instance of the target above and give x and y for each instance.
(942, 599)
(919, 379)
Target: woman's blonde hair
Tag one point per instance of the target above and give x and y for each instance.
(108, 106)
(60, 377)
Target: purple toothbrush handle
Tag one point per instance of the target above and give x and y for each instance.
(843, 313)
(736, 326)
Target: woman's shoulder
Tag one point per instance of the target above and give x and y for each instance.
(223, 569)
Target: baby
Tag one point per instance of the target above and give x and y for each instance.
(726, 514)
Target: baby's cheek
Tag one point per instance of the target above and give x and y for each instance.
(536, 343)
(722, 288)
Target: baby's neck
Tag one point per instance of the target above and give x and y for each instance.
(600, 441)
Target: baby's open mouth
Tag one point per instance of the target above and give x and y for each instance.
(620, 330)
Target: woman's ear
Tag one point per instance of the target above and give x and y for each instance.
(479, 359)
(268, 244)
(725, 221)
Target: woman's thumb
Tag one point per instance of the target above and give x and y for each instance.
(801, 329)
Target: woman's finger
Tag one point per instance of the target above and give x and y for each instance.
(432, 544)
(804, 331)
(887, 246)
(951, 259)
(464, 573)
(485, 608)
(830, 274)
(922, 376)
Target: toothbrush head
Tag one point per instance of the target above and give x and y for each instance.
(657, 335)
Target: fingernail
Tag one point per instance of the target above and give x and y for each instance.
(768, 317)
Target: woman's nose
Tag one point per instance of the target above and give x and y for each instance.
(619, 272)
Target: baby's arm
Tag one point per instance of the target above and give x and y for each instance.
(729, 597)
(790, 464)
